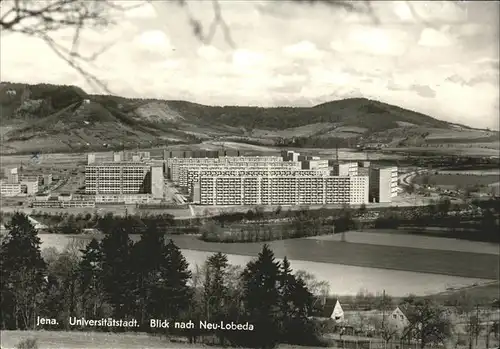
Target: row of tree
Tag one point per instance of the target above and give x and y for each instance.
(150, 279)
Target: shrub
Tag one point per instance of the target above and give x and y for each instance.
(29, 343)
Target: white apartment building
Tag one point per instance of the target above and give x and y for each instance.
(10, 189)
(281, 190)
(42, 197)
(117, 156)
(136, 156)
(45, 179)
(290, 155)
(181, 176)
(194, 174)
(345, 169)
(29, 186)
(127, 199)
(11, 174)
(177, 167)
(383, 184)
(315, 164)
(119, 178)
(54, 203)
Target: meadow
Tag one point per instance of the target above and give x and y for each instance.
(349, 267)
(407, 239)
(454, 180)
(99, 340)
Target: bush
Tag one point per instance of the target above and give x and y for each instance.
(29, 343)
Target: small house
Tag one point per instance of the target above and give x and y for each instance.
(399, 319)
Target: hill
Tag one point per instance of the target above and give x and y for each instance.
(54, 118)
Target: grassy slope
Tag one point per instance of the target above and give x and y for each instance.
(98, 340)
(60, 124)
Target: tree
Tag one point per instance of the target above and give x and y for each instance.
(90, 281)
(386, 328)
(146, 259)
(467, 307)
(319, 289)
(23, 274)
(444, 206)
(362, 210)
(429, 323)
(171, 294)
(117, 273)
(261, 298)
(215, 290)
(286, 287)
(62, 296)
(295, 306)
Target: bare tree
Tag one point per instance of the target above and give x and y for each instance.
(429, 323)
(320, 289)
(40, 19)
(27, 298)
(386, 328)
(467, 309)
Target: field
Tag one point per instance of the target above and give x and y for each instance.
(70, 160)
(98, 340)
(361, 264)
(453, 180)
(483, 172)
(398, 238)
(349, 280)
(484, 291)
(472, 149)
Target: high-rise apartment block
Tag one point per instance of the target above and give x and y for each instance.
(10, 186)
(383, 184)
(124, 178)
(29, 185)
(157, 182)
(185, 154)
(117, 156)
(90, 159)
(290, 155)
(194, 174)
(281, 190)
(315, 164)
(364, 168)
(177, 167)
(344, 168)
(136, 156)
(46, 179)
(11, 174)
(9, 189)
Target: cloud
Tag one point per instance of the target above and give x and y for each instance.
(372, 40)
(154, 40)
(475, 80)
(434, 38)
(424, 91)
(209, 52)
(303, 50)
(243, 59)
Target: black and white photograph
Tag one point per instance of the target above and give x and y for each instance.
(269, 174)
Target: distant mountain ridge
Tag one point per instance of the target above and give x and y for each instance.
(63, 118)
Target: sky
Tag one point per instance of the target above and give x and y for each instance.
(438, 58)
